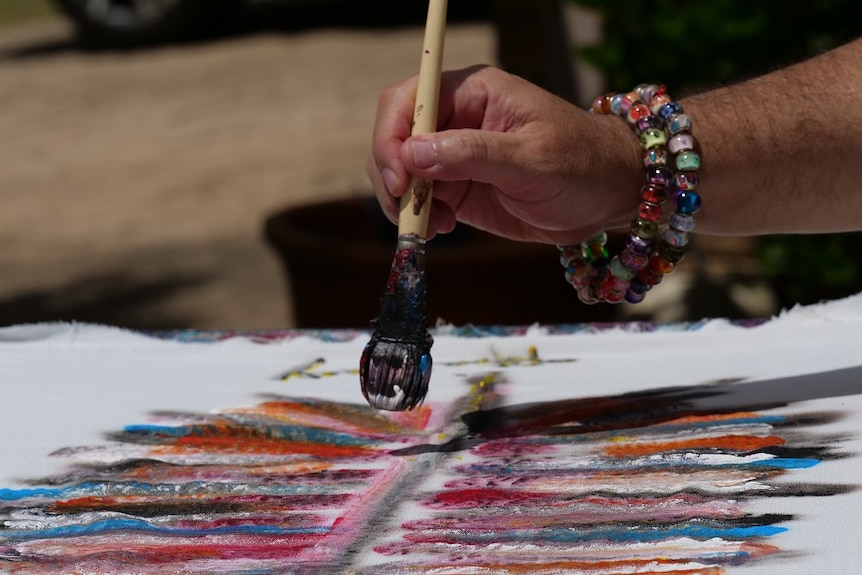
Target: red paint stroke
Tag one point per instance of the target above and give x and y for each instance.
(589, 510)
(158, 472)
(106, 552)
(513, 447)
(724, 443)
(147, 506)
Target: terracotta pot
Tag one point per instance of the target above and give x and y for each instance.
(337, 255)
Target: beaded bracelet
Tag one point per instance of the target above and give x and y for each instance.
(649, 253)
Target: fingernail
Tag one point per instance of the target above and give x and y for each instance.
(423, 154)
(390, 179)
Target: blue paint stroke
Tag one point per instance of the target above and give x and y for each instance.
(110, 489)
(267, 431)
(123, 524)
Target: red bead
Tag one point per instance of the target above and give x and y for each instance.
(650, 212)
(650, 277)
(637, 112)
(660, 265)
(654, 194)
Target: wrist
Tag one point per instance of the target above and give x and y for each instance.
(620, 173)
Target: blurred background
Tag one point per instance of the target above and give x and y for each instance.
(201, 163)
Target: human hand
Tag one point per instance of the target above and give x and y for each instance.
(509, 158)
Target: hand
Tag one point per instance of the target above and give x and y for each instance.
(510, 158)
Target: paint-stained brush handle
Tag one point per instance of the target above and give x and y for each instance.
(416, 203)
(396, 363)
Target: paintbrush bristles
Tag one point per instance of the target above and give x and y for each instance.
(395, 367)
(395, 374)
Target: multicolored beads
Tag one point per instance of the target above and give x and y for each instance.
(671, 161)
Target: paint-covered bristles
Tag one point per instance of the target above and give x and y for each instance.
(396, 364)
(395, 374)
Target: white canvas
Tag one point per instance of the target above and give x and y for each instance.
(709, 448)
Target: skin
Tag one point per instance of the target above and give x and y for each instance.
(781, 153)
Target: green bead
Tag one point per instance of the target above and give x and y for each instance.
(644, 229)
(688, 161)
(653, 137)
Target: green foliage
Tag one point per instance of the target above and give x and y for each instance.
(692, 46)
(16, 11)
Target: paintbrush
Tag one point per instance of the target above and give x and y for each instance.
(396, 363)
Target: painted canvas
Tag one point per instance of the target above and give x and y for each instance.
(705, 448)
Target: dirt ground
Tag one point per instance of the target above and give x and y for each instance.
(134, 186)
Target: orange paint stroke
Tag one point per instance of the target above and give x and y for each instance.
(348, 419)
(222, 444)
(714, 417)
(736, 443)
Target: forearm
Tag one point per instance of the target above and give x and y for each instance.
(783, 153)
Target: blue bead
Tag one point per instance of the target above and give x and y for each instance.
(669, 109)
(687, 202)
(634, 297)
(637, 285)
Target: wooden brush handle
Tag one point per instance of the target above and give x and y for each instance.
(416, 203)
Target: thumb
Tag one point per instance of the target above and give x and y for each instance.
(452, 155)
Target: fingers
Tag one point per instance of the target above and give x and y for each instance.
(391, 127)
(469, 155)
(461, 105)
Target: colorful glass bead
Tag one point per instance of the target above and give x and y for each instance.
(653, 137)
(611, 294)
(637, 285)
(633, 261)
(634, 296)
(654, 194)
(655, 156)
(623, 106)
(685, 181)
(670, 254)
(649, 212)
(580, 273)
(677, 123)
(669, 109)
(637, 112)
(597, 104)
(620, 271)
(680, 143)
(659, 175)
(647, 91)
(681, 222)
(638, 245)
(660, 265)
(676, 238)
(657, 101)
(617, 105)
(687, 202)
(650, 276)
(688, 161)
(587, 296)
(644, 229)
(647, 122)
(568, 255)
